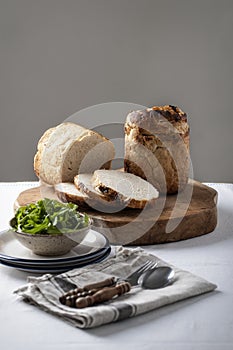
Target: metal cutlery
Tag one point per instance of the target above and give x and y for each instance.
(104, 290)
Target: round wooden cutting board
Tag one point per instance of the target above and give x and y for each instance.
(189, 214)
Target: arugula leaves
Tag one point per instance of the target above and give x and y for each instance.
(48, 216)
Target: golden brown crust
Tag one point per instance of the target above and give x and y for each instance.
(64, 151)
(40, 148)
(157, 147)
(98, 201)
(132, 203)
(157, 120)
(109, 183)
(170, 112)
(92, 194)
(66, 197)
(133, 168)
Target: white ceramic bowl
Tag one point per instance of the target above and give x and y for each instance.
(52, 244)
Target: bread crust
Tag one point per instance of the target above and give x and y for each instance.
(157, 120)
(111, 194)
(64, 149)
(40, 148)
(157, 147)
(66, 196)
(96, 200)
(91, 193)
(132, 203)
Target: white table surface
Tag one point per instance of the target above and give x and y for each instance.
(203, 322)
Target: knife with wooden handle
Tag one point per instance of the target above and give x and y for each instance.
(70, 297)
(102, 295)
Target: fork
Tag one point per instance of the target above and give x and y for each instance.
(104, 290)
(133, 277)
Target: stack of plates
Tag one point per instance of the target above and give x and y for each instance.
(94, 248)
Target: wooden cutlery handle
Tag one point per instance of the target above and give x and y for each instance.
(97, 285)
(69, 297)
(102, 295)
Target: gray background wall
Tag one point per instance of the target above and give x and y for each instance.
(57, 57)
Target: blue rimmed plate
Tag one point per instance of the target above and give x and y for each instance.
(57, 269)
(12, 251)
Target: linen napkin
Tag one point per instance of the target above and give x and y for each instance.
(45, 291)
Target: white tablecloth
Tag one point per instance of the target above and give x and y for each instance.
(204, 322)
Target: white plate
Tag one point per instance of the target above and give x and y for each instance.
(11, 250)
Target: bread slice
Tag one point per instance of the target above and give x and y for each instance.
(67, 192)
(96, 199)
(124, 187)
(69, 149)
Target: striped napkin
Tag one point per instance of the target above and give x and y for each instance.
(44, 291)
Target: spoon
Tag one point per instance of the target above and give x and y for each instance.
(158, 277)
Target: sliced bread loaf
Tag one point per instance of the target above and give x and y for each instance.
(67, 192)
(96, 199)
(69, 149)
(124, 187)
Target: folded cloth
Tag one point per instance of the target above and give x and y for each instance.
(45, 291)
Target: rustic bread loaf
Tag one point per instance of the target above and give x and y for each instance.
(157, 147)
(127, 188)
(69, 149)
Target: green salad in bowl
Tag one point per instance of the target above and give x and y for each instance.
(49, 227)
